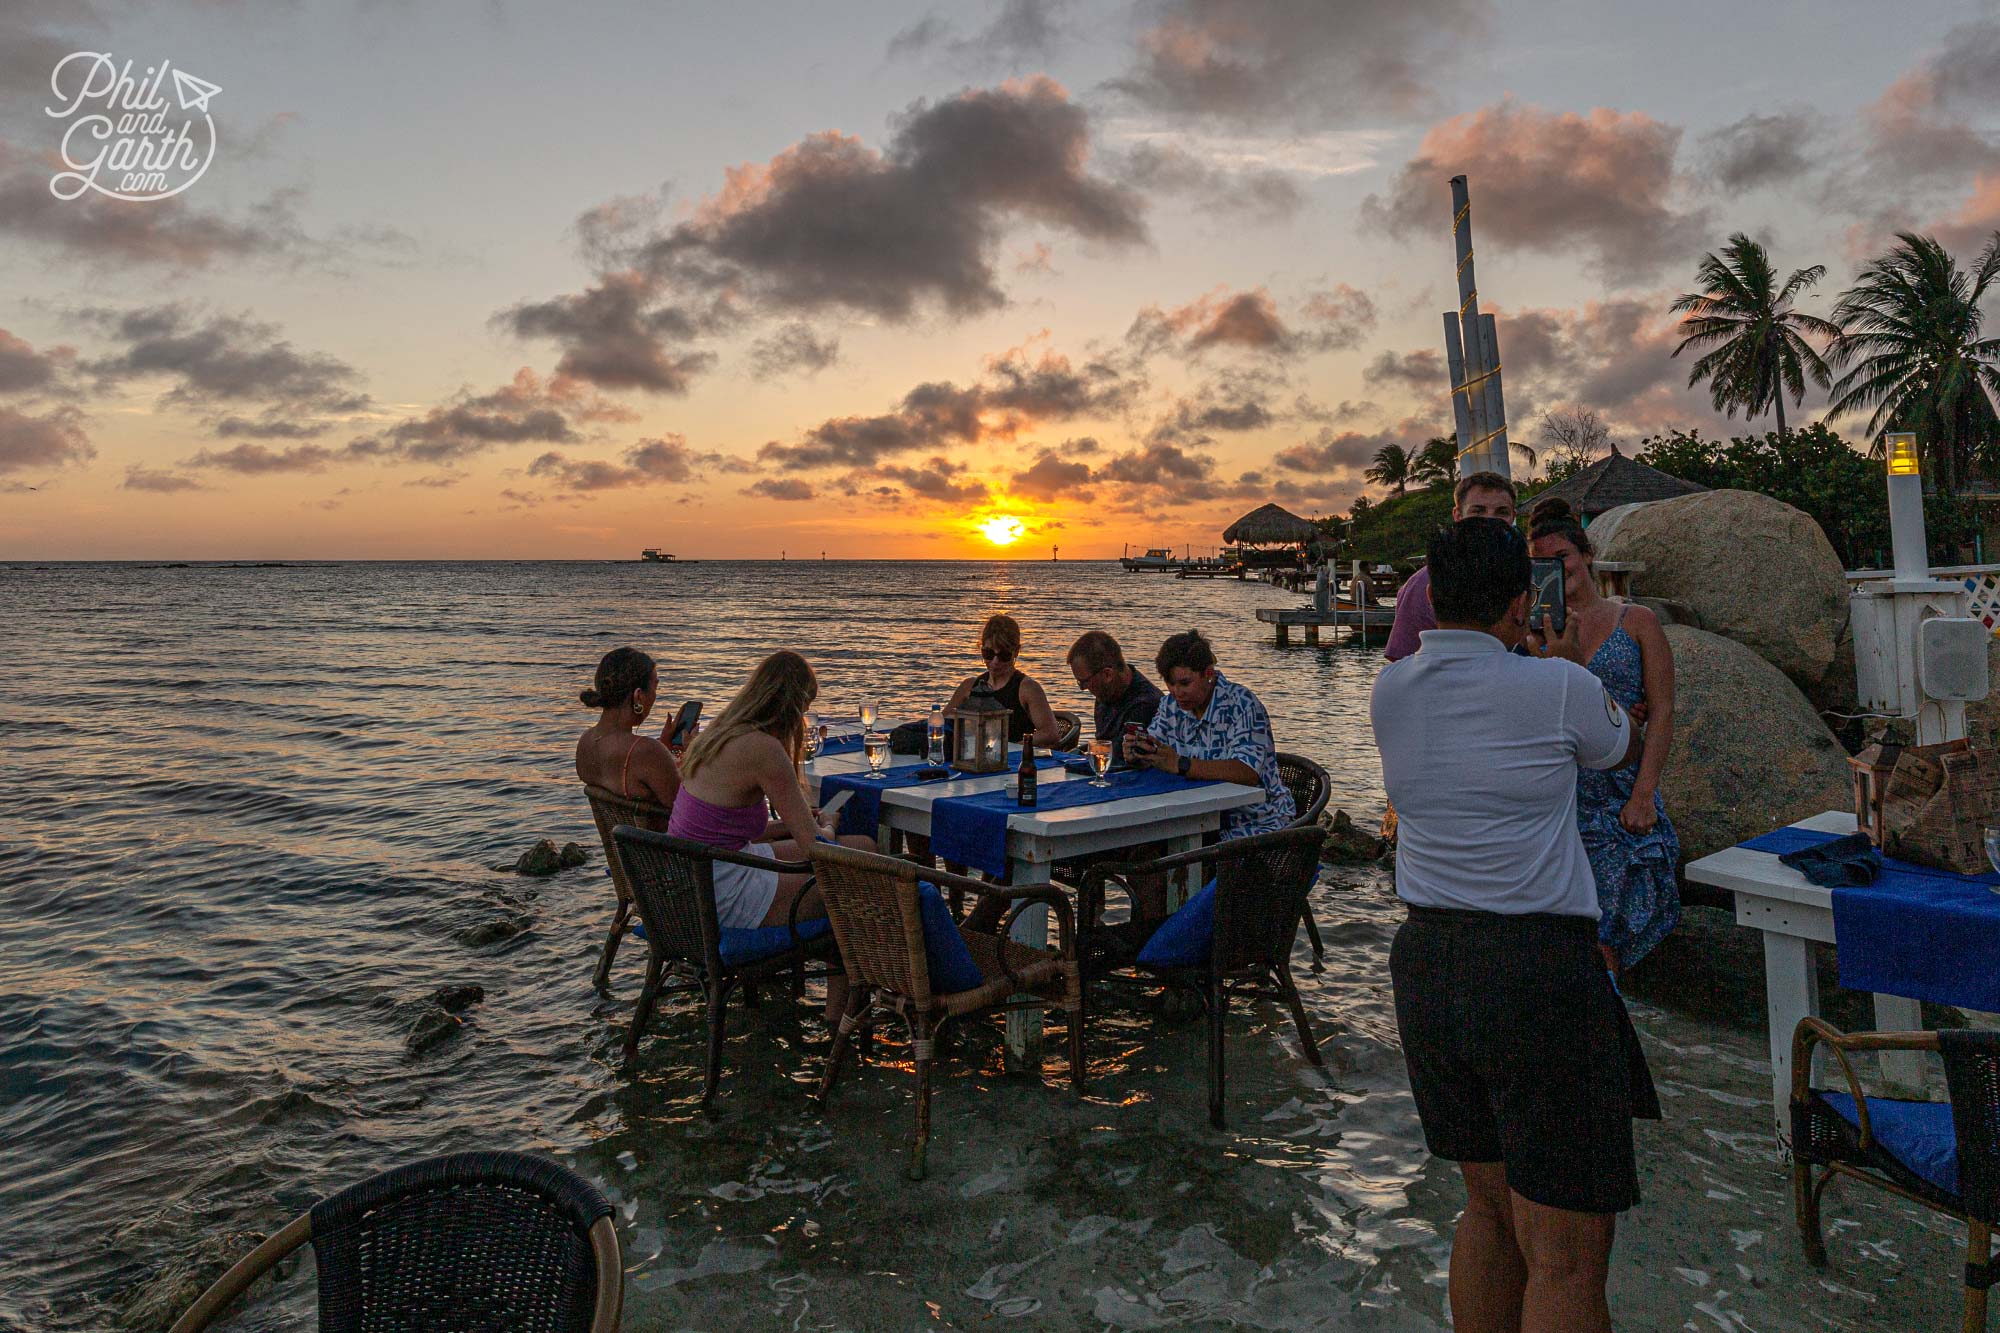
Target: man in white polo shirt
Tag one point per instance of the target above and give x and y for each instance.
(1524, 1066)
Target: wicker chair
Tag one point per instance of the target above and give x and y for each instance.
(608, 809)
(673, 883)
(1071, 729)
(1260, 894)
(480, 1240)
(873, 902)
(1310, 787)
(1848, 1145)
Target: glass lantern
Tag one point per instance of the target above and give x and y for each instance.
(979, 734)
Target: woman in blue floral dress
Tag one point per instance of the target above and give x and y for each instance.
(1631, 843)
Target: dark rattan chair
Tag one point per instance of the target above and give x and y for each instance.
(873, 902)
(1072, 729)
(1260, 894)
(673, 884)
(1310, 786)
(473, 1241)
(1868, 1138)
(608, 809)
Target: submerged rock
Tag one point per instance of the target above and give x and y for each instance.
(541, 859)
(1754, 569)
(573, 854)
(154, 1305)
(1750, 754)
(1348, 842)
(433, 1028)
(492, 932)
(457, 999)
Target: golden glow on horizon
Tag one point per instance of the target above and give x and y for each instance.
(1003, 529)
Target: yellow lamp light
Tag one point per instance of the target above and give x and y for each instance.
(1902, 453)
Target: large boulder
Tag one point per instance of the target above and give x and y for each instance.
(1754, 569)
(1606, 524)
(1750, 754)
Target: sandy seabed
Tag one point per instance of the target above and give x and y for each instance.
(1317, 1208)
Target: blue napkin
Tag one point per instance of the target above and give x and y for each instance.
(972, 830)
(1842, 863)
(1916, 931)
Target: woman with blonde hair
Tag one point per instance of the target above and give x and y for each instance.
(745, 757)
(1025, 699)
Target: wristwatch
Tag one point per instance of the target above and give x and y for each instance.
(1185, 766)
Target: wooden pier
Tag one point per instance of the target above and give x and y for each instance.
(1366, 620)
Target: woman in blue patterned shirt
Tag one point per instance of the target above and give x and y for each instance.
(1213, 730)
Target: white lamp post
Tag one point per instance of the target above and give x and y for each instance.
(1917, 653)
(1906, 506)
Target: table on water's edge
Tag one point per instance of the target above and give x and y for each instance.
(1036, 840)
(1794, 913)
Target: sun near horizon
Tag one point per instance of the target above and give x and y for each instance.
(1003, 529)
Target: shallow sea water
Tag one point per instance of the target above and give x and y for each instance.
(248, 824)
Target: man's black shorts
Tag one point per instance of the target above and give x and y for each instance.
(1520, 1052)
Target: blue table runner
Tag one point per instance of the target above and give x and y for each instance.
(863, 811)
(1916, 931)
(972, 830)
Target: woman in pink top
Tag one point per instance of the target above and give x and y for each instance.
(747, 756)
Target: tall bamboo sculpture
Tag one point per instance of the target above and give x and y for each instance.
(1472, 355)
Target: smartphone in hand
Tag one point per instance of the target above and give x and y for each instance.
(684, 723)
(1547, 613)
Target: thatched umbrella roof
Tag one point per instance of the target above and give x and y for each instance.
(1613, 481)
(1270, 525)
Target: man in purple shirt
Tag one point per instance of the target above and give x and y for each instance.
(1480, 495)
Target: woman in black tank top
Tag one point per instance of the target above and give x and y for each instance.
(1027, 703)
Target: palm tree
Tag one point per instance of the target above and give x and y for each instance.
(1436, 463)
(1756, 352)
(1390, 468)
(1913, 323)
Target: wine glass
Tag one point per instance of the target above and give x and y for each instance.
(1100, 762)
(812, 737)
(867, 715)
(1991, 836)
(876, 745)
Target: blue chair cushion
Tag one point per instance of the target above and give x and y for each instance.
(951, 966)
(1183, 939)
(739, 948)
(1917, 1134)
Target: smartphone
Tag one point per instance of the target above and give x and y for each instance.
(684, 721)
(1547, 608)
(832, 807)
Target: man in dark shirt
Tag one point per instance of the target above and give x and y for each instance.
(1124, 696)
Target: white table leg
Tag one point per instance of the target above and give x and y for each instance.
(1902, 1071)
(1791, 992)
(1024, 1026)
(1183, 884)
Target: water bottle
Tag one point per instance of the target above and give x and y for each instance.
(934, 737)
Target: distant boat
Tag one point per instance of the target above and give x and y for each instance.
(1159, 559)
(653, 555)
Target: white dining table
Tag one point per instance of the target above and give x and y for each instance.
(1794, 913)
(1038, 839)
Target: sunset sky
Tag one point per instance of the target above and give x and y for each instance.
(505, 279)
